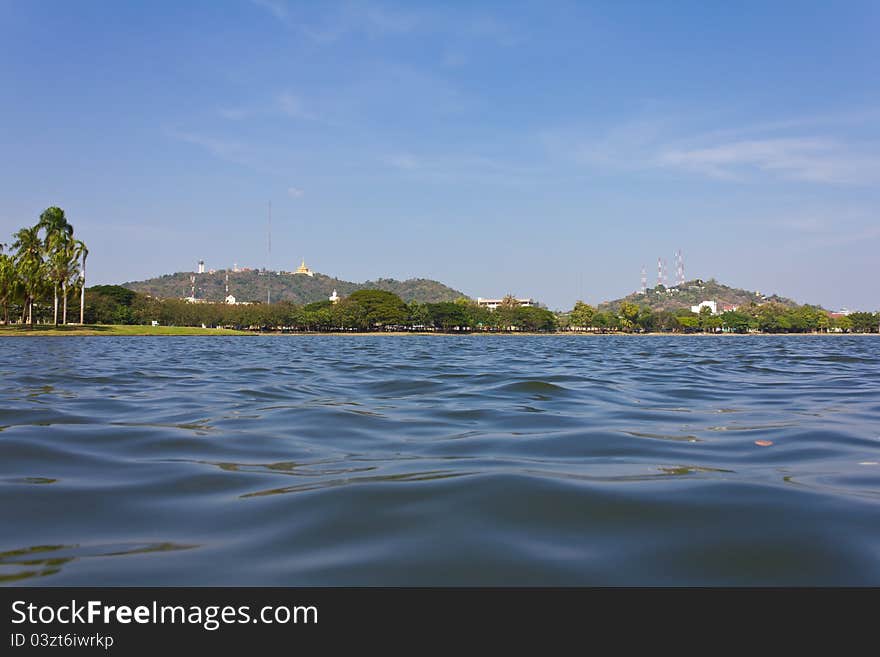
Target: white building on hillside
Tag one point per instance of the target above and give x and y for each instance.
(711, 305)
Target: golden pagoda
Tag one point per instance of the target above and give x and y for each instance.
(302, 269)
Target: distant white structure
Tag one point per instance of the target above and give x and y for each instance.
(201, 266)
(230, 300)
(334, 298)
(492, 304)
(302, 269)
(711, 305)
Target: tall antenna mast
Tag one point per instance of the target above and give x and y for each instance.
(659, 271)
(269, 264)
(644, 281)
(679, 267)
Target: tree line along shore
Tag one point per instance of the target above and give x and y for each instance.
(42, 273)
(371, 311)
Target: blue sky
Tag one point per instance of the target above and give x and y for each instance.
(542, 149)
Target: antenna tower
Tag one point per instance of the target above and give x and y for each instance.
(644, 281)
(679, 268)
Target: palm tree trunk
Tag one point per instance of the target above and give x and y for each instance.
(64, 315)
(55, 290)
(82, 294)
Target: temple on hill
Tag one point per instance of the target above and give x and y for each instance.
(302, 269)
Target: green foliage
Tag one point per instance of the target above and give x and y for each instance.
(863, 322)
(448, 316)
(376, 308)
(735, 322)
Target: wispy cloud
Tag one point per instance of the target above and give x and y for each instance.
(810, 159)
(295, 192)
(293, 107)
(781, 150)
(233, 151)
(278, 8)
(327, 24)
(222, 148)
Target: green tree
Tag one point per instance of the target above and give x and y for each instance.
(9, 283)
(379, 308)
(419, 315)
(606, 321)
(735, 322)
(448, 316)
(532, 318)
(58, 233)
(843, 324)
(30, 269)
(863, 322)
(581, 315)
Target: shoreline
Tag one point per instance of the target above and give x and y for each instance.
(117, 330)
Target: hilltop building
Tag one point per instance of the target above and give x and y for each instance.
(302, 269)
(492, 304)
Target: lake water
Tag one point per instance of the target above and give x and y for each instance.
(435, 460)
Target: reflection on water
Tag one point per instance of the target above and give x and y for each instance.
(440, 460)
(42, 560)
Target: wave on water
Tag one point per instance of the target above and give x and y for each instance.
(419, 460)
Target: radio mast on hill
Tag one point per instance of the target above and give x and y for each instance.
(679, 268)
(644, 281)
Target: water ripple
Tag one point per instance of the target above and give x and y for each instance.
(435, 460)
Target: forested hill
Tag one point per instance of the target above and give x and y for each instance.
(694, 292)
(252, 285)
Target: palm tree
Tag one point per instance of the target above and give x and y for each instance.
(64, 270)
(58, 234)
(29, 267)
(83, 252)
(8, 282)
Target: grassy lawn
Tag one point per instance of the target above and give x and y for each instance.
(113, 329)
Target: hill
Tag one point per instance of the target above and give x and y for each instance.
(252, 286)
(694, 292)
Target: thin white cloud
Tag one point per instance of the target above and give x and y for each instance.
(293, 107)
(827, 154)
(326, 24)
(278, 8)
(809, 159)
(295, 192)
(229, 150)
